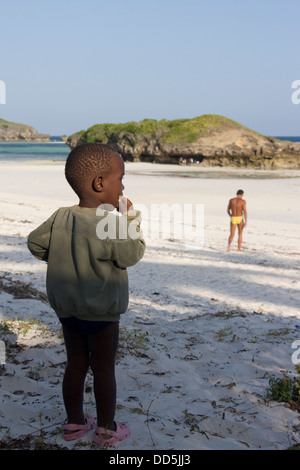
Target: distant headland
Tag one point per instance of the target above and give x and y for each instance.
(207, 141)
(13, 131)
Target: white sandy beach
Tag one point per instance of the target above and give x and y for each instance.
(204, 330)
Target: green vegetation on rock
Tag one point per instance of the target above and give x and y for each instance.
(5, 123)
(175, 131)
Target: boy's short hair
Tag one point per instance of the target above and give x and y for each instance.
(87, 159)
(240, 191)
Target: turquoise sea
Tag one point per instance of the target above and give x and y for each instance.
(33, 151)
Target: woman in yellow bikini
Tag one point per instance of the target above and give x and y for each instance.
(238, 217)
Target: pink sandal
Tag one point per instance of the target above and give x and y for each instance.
(78, 430)
(107, 438)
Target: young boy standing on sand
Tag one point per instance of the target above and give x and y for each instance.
(87, 284)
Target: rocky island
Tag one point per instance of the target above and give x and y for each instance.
(12, 131)
(208, 140)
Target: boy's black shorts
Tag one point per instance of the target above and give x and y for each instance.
(84, 327)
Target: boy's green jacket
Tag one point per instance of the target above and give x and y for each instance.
(87, 252)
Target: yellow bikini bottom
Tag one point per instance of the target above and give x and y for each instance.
(236, 220)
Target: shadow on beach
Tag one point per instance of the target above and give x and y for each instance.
(195, 350)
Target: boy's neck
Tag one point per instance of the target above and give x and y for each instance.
(89, 203)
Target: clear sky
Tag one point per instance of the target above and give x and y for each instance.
(69, 64)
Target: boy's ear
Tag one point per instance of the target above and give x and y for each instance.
(97, 184)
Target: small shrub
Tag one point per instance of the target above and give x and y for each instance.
(286, 389)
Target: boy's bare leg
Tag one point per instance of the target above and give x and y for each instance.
(103, 349)
(75, 373)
